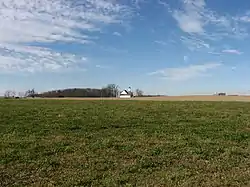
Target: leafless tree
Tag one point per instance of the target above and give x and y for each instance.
(112, 90)
(9, 94)
(139, 92)
(30, 93)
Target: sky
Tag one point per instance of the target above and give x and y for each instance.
(170, 47)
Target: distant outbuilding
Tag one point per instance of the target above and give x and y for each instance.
(221, 94)
(125, 94)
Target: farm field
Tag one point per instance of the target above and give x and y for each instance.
(124, 143)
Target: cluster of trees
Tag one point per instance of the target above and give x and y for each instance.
(139, 92)
(13, 94)
(111, 90)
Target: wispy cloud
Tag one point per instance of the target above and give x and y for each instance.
(232, 51)
(24, 23)
(196, 18)
(31, 59)
(190, 19)
(117, 34)
(233, 68)
(185, 58)
(194, 43)
(160, 42)
(161, 2)
(102, 66)
(214, 53)
(138, 3)
(186, 73)
(201, 25)
(245, 18)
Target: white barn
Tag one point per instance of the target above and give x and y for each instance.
(125, 94)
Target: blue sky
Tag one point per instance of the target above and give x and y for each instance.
(172, 47)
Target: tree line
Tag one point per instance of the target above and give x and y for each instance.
(111, 90)
(13, 93)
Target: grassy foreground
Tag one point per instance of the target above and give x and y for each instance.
(124, 143)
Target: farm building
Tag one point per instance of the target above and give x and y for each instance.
(221, 94)
(125, 94)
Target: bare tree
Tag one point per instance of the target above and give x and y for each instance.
(13, 93)
(30, 93)
(139, 92)
(26, 94)
(9, 94)
(112, 90)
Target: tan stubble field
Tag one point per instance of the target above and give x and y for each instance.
(171, 98)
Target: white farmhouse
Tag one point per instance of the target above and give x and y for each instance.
(125, 94)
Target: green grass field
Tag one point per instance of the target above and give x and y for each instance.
(124, 143)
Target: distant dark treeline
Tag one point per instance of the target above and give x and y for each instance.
(152, 95)
(111, 90)
(85, 92)
(80, 92)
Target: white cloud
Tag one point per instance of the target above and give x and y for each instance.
(138, 3)
(232, 51)
(160, 42)
(31, 59)
(195, 18)
(117, 34)
(27, 22)
(161, 2)
(194, 43)
(201, 25)
(186, 73)
(102, 66)
(190, 19)
(244, 18)
(185, 58)
(214, 53)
